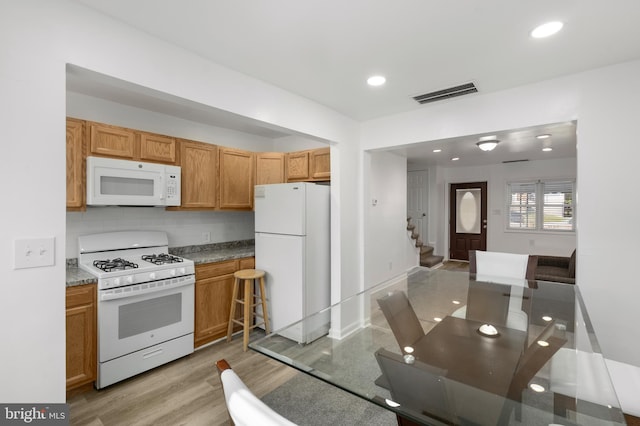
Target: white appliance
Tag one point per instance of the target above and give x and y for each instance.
(113, 182)
(145, 301)
(292, 245)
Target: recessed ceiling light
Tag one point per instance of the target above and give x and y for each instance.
(376, 80)
(536, 387)
(547, 29)
(455, 158)
(547, 149)
(488, 145)
(437, 150)
(545, 136)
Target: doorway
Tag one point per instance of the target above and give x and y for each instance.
(467, 219)
(417, 201)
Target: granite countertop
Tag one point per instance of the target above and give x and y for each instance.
(210, 253)
(207, 253)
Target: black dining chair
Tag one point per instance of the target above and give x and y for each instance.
(401, 317)
(418, 387)
(537, 354)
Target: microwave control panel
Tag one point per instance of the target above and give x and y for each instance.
(172, 174)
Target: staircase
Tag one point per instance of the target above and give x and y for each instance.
(427, 258)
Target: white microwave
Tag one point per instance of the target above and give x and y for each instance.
(112, 182)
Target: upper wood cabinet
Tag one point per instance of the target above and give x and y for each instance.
(320, 164)
(111, 141)
(311, 165)
(236, 174)
(198, 161)
(157, 148)
(270, 168)
(81, 342)
(298, 166)
(75, 165)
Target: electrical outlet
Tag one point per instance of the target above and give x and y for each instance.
(34, 252)
(206, 237)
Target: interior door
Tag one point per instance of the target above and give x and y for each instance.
(417, 187)
(467, 219)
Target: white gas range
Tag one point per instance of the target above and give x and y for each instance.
(145, 301)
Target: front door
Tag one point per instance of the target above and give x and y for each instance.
(468, 219)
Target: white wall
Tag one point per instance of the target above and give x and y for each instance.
(606, 104)
(497, 176)
(296, 143)
(39, 38)
(390, 250)
(184, 228)
(90, 108)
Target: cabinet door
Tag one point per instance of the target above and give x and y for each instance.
(298, 165)
(320, 164)
(111, 141)
(236, 179)
(199, 174)
(75, 168)
(270, 168)
(81, 335)
(213, 304)
(157, 148)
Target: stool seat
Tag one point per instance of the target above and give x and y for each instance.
(248, 277)
(249, 274)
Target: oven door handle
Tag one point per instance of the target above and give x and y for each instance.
(138, 290)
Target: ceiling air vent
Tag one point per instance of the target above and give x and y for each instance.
(515, 161)
(451, 92)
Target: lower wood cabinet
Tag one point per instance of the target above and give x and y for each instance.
(214, 286)
(81, 319)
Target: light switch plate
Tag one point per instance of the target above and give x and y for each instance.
(34, 252)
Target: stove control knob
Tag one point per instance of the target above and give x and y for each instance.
(129, 279)
(106, 283)
(152, 275)
(182, 271)
(172, 273)
(116, 281)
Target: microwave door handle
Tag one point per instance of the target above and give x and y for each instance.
(161, 188)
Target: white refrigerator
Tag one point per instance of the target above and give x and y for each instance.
(292, 245)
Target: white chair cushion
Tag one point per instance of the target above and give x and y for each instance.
(495, 264)
(626, 380)
(581, 375)
(244, 407)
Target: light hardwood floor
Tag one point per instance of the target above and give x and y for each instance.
(184, 392)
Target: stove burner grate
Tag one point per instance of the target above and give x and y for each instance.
(161, 259)
(117, 264)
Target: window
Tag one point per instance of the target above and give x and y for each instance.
(541, 206)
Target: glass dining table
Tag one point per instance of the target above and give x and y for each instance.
(448, 347)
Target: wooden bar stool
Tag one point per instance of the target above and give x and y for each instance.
(248, 277)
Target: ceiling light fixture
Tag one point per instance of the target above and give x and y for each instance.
(547, 149)
(376, 80)
(455, 158)
(545, 136)
(547, 29)
(488, 144)
(437, 150)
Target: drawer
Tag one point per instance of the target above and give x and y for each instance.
(217, 269)
(248, 263)
(80, 295)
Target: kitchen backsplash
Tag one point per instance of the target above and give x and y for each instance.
(184, 228)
